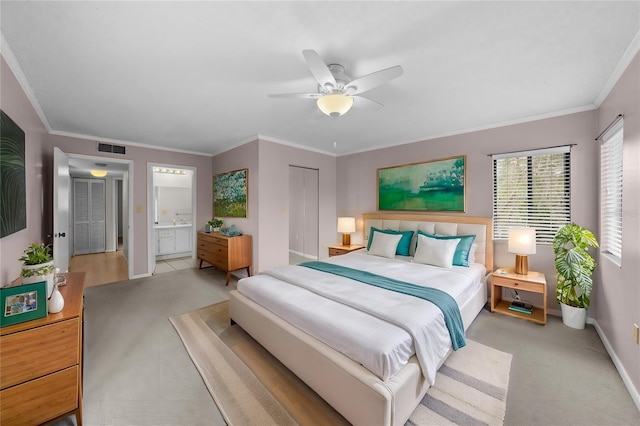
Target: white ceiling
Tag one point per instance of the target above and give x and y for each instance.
(195, 76)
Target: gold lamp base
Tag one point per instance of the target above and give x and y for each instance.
(522, 264)
(346, 239)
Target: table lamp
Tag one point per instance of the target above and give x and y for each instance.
(522, 241)
(346, 225)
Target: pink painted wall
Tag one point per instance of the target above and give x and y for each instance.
(140, 157)
(617, 295)
(268, 220)
(39, 165)
(242, 157)
(16, 105)
(358, 173)
(275, 160)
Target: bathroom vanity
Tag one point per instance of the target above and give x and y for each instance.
(173, 240)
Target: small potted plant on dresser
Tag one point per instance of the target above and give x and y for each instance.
(574, 267)
(38, 266)
(214, 225)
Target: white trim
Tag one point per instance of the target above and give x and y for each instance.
(635, 395)
(480, 128)
(625, 60)
(135, 277)
(151, 255)
(126, 143)
(130, 239)
(542, 151)
(259, 138)
(15, 67)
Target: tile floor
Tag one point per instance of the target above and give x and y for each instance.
(170, 265)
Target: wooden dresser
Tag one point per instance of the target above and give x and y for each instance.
(225, 253)
(41, 363)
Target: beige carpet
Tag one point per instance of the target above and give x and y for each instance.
(251, 387)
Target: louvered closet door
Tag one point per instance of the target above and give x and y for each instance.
(81, 216)
(89, 216)
(98, 213)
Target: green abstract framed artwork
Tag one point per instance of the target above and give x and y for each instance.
(13, 195)
(436, 186)
(230, 194)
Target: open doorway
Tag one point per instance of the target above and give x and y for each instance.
(98, 214)
(172, 201)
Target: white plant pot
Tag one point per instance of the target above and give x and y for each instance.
(573, 317)
(49, 278)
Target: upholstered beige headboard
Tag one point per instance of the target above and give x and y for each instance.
(481, 227)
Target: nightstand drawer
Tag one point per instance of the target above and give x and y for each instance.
(517, 284)
(336, 252)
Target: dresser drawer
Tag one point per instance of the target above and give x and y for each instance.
(517, 284)
(40, 400)
(212, 239)
(38, 351)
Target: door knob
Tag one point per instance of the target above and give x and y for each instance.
(62, 234)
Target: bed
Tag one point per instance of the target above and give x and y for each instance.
(387, 390)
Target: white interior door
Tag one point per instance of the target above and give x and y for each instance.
(61, 185)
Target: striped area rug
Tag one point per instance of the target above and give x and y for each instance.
(470, 389)
(471, 386)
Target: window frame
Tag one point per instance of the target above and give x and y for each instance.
(611, 178)
(531, 215)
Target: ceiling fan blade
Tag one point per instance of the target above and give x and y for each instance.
(373, 80)
(295, 95)
(361, 102)
(318, 68)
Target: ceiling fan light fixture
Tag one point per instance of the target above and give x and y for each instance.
(98, 173)
(335, 105)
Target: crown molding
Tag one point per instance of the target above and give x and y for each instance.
(15, 67)
(628, 55)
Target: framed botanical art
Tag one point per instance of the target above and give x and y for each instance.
(230, 193)
(436, 185)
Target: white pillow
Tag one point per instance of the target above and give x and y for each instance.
(384, 244)
(472, 253)
(433, 251)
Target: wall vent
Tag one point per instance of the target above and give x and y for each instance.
(107, 147)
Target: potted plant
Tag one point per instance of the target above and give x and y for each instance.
(38, 266)
(214, 224)
(574, 267)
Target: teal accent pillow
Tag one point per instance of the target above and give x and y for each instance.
(461, 256)
(404, 244)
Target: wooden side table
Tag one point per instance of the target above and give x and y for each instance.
(533, 282)
(339, 249)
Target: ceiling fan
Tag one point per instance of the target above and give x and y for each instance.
(337, 92)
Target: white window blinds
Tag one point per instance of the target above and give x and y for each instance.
(611, 191)
(532, 189)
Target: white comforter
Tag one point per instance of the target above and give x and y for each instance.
(378, 328)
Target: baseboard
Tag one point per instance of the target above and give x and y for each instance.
(635, 395)
(306, 256)
(135, 277)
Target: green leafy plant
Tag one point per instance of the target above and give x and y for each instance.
(215, 223)
(574, 265)
(36, 254)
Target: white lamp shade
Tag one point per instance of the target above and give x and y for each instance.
(346, 225)
(522, 241)
(335, 105)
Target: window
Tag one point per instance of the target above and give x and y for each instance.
(532, 189)
(611, 192)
